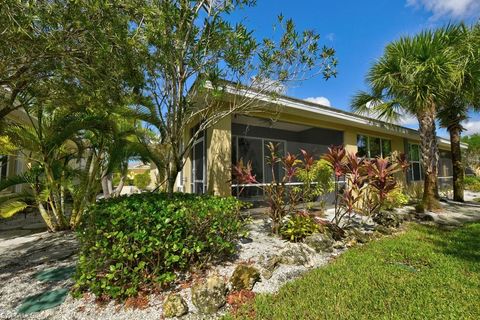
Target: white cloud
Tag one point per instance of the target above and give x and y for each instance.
(471, 127)
(449, 8)
(408, 120)
(320, 100)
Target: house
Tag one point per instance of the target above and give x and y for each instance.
(294, 124)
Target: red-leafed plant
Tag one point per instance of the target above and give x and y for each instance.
(366, 183)
(283, 198)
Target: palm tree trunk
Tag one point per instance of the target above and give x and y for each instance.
(458, 171)
(430, 157)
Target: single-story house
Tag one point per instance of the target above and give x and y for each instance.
(294, 124)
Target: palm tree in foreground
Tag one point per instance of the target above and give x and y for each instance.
(410, 79)
(461, 100)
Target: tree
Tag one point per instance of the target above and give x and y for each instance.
(412, 77)
(200, 68)
(463, 98)
(46, 45)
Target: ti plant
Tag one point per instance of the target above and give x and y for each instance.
(366, 183)
(282, 198)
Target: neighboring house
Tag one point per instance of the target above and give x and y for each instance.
(295, 124)
(137, 168)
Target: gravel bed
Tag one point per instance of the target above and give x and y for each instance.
(22, 257)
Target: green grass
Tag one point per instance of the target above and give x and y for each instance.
(425, 273)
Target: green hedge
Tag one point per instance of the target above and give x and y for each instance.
(142, 241)
(472, 183)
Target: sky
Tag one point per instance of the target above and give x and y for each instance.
(359, 31)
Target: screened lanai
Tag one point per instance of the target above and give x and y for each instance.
(250, 137)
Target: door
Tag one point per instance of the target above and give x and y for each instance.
(198, 166)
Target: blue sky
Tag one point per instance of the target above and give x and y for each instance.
(358, 31)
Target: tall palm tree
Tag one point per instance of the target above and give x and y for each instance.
(462, 99)
(411, 78)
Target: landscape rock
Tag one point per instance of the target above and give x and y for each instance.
(388, 219)
(320, 242)
(360, 236)
(174, 306)
(244, 277)
(298, 254)
(339, 245)
(209, 295)
(383, 230)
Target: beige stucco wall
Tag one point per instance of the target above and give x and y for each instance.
(219, 157)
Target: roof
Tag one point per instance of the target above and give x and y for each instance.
(335, 115)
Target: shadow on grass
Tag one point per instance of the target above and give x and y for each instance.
(463, 243)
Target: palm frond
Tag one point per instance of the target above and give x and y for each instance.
(10, 208)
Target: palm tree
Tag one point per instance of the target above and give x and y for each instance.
(461, 100)
(411, 78)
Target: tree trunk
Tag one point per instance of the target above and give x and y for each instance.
(105, 186)
(458, 171)
(430, 155)
(173, 172)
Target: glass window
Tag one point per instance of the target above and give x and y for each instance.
(277, 170)
(252, 150)
(372, 147)
(415, 170)
(362, 145)
(375, 147)
(414, 152)
(3, 167)
(386, 148)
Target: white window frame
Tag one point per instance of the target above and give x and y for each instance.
(419, 161)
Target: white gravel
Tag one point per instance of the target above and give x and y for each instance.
(23, 256)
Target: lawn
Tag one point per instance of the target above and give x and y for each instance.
(424, 273)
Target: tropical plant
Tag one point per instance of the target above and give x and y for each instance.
(462, 98)
(140, 242)
(316, 177)
(413, 77)
(366, 183)
(284, 199)
(192, 72)
(298, 226)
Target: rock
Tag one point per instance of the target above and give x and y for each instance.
(270, 265)
(388, 219)
(351, 242)
(337, 232)
(209, 296)
(320, 242)
(174, 306)
(244, 277)
(339, 245)
(383, 230)
(298, 254)
(358, 235)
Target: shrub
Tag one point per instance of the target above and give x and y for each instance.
(297, 227)
(472, 183)
(142, 241)
(142, 180)
(395, 199)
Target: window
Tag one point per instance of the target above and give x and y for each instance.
(3, 167)
(255, 150)
(372, 147)
(415, 170)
